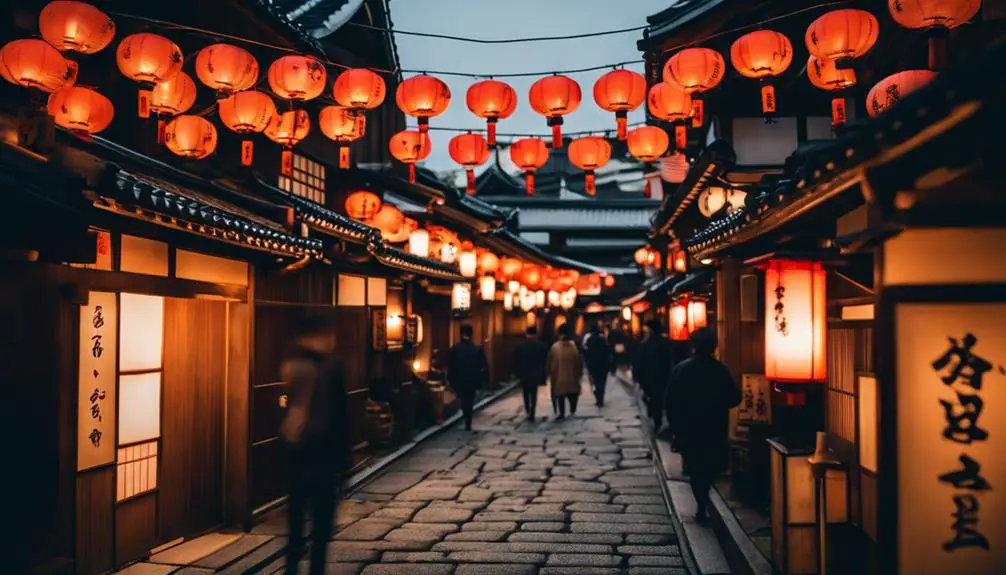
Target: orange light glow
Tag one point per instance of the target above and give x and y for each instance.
(589, 153)
(75, 26)
(492, 100)
(554, 97)
(487, 288)
(796, 323)
(620, 91)
(423, 97)
(679, 322)
(696, 314)
(680, 261)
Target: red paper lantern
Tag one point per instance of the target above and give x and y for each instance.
(761, 55)
(674, 168)
(470, 151)
(842, 35)
(246, 113)
(609, 281)
(554, 97)
(680, 261)
(492, 100)
(589, 154)
(678, 324)
(363, 205)
(647, 143)
(826, 75)
(148, 59)
(796, 325)
(695, 70)
(389, 220)
(288, 129)
(226, 68)
(172, 98)
(80, 110)
(889, 91)
(423, 97)
(531, 276)
(32, 63)
(297, 78)
(359, 90)
(191, 137)
(343, 126)
(488, 263)
(529, 154)
(409, 147)
(938, 17)
(75, 27)
(510, 267)
(667, 101)
(620, 91)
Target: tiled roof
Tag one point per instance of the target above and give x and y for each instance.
(403, 260)
(533, 218)
(322, 218)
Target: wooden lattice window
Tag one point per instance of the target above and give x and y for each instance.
(307, 180)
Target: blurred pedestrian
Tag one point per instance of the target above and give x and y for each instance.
(467, 370)
(699, 398)
(596, 357)
(316, 437)
(564, 371)
(529, 366)
(654, 361)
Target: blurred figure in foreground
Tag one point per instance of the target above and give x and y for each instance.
(597, 354)
(564, 371)
(654, 360)
(529, 366)
(699, 399)
(467, 370)
(315, 433)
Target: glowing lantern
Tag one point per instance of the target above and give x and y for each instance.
(389, 220)
(609, 281)
(409, 147)
(32, 63)
(889, 91)
(531, 276)
(342, 126)
(594, 307)
(640, 306)
(80, 110)
(508, 301)
(172, 98)
(539, 298)
(620, 91)
(627, 313)
(842, 35)
(362, 205)
(513, 286)
(938, 16)
(678, 324)
(510, 267)
(468, 263)
(470, 151)
(487, 288)
(226, 68)
(419, 243)
(795, 334)
(647, 143)
(75, 27)
(667, 101)
(297, 78)
(359, 89)
(408, 226)
(588, 154)
(288, 129)
(492, 100)
(761, 55)
(554, 97)
(712, 200)
(554, 298)
(423, 97)
(488, 263)
(148, 59)
(826, 75)
(246, 113)
(696, 70)
(190, 137)
(674, 168)
(696, 314)
(529, 154)
(680, 261)
(641, 255)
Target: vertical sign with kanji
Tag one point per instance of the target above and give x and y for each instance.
(950, 396)
(96, 376)
(756, 400)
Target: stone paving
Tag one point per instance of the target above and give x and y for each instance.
(578, 496)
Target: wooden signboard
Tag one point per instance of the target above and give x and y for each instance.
(379, 329)
(96, 386)
(756, 400)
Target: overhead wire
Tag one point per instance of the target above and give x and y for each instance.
(494, 40)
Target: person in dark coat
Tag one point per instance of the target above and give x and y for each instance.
(699, 399)
(315, 434)
(467, 370)
(596, 356)
(529, 367)
(618, 344)
(652, 370)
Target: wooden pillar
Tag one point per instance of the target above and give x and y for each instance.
(237, 420)
(728, 316)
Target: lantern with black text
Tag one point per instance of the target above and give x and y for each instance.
(148, 59)
(668, 102)
(343, 126)
(826, 75)
(33, 63)
(172, 98)
(409, 147)
(75, 27)
(246, 113)
(192, 137)
(80, 110)
(889, 91)
(554, 97)
(297, 78)
(762, 55)
(362, 205)
(226, 68)
(695, 70)
(678, 321)
(842, 35)
(288, 129)
(359, 89)
(492, 100)
(938, 17)
(423, 97)
(470, 151)
(589, 153)
(529, 154)
(795, 325)
(696, 314)
(620, 91)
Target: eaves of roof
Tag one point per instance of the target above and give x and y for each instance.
(712, 163)
(672, 18)
(321, 218)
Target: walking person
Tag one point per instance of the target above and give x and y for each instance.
(597, 356)
(467, 370)
(529, 366)
(654, 361)
(618, 344)
(699, 398)
(315, 435)
(564, 371)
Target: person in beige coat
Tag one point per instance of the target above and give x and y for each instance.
(564, 370)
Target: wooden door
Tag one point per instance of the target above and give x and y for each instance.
(195, 372)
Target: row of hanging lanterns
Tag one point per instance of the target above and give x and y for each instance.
(649, 257)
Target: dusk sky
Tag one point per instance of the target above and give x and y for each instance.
(511, 19)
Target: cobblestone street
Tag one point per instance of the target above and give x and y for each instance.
(578, 496)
